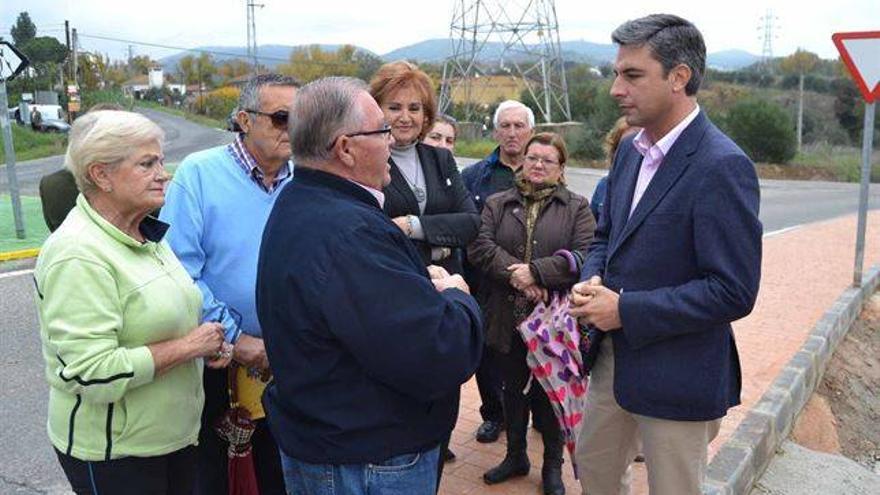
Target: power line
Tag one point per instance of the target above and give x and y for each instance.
(210, 52)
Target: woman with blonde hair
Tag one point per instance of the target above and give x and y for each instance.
(119, 321)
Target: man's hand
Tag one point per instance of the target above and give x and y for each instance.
(579, 297)
(250, 351)
(451, 282)
(597, 306)
(437, 272)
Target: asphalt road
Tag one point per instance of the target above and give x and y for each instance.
(182, 137)
(27, 462)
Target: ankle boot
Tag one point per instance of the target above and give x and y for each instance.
(551, 479)
(512, 466)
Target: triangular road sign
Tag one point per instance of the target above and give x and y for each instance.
(861, 54)
(12, 61)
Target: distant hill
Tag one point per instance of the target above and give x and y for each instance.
(437, 50)
(269, 55)
(731, 59)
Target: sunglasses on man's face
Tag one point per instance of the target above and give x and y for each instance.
(279, 118)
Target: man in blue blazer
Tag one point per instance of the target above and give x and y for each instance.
(676, 259)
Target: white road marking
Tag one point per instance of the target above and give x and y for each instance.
(16, 273)
(782, 231)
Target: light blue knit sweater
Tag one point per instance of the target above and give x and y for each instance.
(217, 214)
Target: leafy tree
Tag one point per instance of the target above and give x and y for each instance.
(197, 70)
(140, 65)
(368, 63)
(763, 130)
(46, 54)
(311, 62)
(847, 101)
(186, 69)
(44, 49)
(24, 29)
(232, 68)
(800, 62)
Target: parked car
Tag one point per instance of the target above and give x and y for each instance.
(53, 125)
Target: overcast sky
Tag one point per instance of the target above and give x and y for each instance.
(383, 25)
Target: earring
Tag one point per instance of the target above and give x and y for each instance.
(108, 189)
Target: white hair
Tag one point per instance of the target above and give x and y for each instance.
(106, 136)
(512, 104)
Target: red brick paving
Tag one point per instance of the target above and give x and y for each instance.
(804, 271)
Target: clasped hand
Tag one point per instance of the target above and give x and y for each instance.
(442, 280)
(521, 279)
(594, 304)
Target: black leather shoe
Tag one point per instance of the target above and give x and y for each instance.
(448, 456)
(489, 431)
(510, 467)
(551, 479)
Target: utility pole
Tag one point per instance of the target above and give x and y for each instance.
(252, 32)
(67, 39)
(75, 58)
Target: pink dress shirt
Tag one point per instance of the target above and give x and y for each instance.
(654, 154)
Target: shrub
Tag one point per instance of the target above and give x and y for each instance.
(763, 129)
(586, 144)
(218, 103)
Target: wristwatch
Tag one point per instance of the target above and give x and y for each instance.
(411, 219)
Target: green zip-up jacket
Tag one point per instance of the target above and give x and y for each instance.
(102, 298)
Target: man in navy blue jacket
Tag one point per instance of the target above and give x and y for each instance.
(676, 259)
(368, 351)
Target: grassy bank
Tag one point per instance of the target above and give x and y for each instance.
(198, 119)
(30, 144)
(34, 225)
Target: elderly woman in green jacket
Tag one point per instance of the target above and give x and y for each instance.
(119, 321)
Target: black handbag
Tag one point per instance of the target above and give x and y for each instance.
(589, 346)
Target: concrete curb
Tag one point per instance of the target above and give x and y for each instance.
(744, 457)
(19, 255)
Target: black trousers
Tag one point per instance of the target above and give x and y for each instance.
(169, 474)
(212, 476)
(515, 373)
(489, 384)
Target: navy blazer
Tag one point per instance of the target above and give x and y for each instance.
(367, 356)
(686, 264)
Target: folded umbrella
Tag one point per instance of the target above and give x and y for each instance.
(552, 341)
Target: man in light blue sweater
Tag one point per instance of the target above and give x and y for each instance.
(217, 205)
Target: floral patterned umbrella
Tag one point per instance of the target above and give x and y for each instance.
(552, 337)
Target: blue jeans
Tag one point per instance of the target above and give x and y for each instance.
(407, 474)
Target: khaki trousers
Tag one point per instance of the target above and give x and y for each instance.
(675, 451)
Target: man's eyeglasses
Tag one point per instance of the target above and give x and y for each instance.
(279, 118)
(386, 129)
